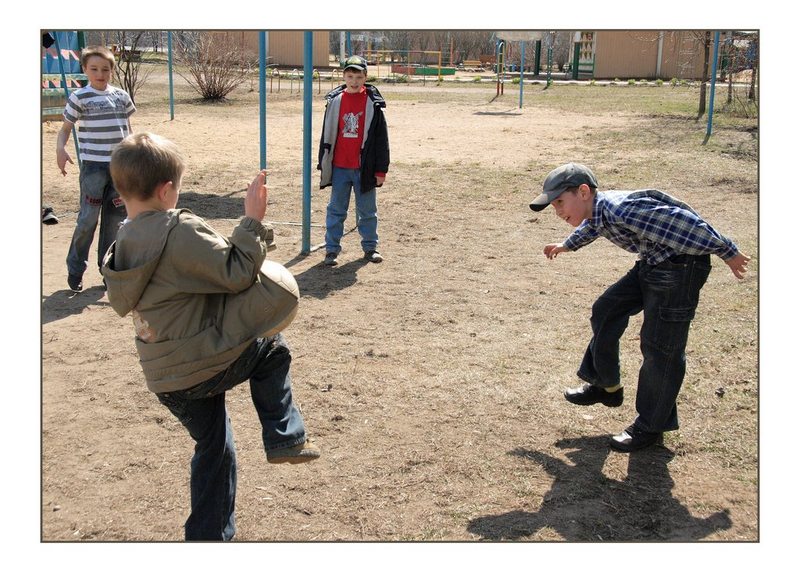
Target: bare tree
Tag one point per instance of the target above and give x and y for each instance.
(216, 63)
(129, 72)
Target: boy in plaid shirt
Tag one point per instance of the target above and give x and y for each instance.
(674, 245)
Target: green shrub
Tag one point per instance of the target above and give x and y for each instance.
(631, 81)
(515, 80)
(659, 82)
(476, 79)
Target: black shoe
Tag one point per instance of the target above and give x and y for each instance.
(373, 256)
(331, 259)
(75, 282)
(589, 394)
(48, 216)
(633, 439)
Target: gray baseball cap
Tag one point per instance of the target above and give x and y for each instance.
(560, 179)
(356, 62)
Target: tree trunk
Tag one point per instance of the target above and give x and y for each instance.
(751, 95)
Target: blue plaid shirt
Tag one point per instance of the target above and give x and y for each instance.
(652, 224)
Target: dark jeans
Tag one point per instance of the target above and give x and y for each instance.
(99, 201)
(668, 294)
(201, 409)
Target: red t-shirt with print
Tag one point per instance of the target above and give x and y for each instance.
(347, 154)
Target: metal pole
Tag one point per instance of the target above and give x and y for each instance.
(713, 86)
(576, 60)
(66, 96)
(169, 68)
(349, 45)
(262, 98)
(521, 71)
(537, 58)
(307, 87)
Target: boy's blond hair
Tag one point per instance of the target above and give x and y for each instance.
(143, 161)
(99, 51)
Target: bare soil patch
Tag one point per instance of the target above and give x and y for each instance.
(433, 381)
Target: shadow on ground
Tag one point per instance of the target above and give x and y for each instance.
(320, 280)
(585, 505)
(211, 206)
(63, 303)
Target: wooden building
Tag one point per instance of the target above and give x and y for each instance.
(285, 48)
(642, 54)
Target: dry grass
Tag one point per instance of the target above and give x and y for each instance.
(432, 381)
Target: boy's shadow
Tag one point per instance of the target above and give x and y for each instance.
(63, 303)
(210, 206)
(584, 505)
(320, 280)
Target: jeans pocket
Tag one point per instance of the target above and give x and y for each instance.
(672, 328)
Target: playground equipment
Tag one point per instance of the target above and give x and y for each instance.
(61, 70)
(521, 37)
(408, 67)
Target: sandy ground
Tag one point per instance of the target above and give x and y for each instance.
(432, 382)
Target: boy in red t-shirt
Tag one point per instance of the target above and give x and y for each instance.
(353, 154)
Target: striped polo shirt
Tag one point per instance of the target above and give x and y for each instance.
(103, 117)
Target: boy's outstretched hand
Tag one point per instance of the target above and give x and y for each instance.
(738, 264)
(255, 202)
(62, 158)
(553, 250)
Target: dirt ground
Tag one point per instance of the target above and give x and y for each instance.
(431, 382)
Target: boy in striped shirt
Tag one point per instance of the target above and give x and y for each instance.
(103, 111)
(674, 245)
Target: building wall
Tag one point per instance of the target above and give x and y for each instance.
(285, 47)
(634, 54)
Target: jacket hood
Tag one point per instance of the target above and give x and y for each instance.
(128, 270)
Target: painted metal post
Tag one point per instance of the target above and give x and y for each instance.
(307, 87)
(349, 45)
(537, 58)
(66, 96)
(550, 57)
(521, 71)
(169, 69)
(576, 60)
(262, 98)
(713, 85)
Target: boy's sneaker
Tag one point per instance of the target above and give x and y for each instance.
(48, 216)
(589, 394)
(331, 259)
(75, 282)
(373, 256)
(302, 453)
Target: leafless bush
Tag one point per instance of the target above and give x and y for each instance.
(215, 62)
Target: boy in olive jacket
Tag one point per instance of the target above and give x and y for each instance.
(173, 273)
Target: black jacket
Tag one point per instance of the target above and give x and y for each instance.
(375, 147)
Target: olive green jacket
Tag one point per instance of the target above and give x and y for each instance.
(173, 273)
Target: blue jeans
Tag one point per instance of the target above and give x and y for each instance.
(668, 294)
(201, 410)
(343, 180)
(99, 200)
